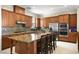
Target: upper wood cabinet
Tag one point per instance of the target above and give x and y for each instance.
(12, 21)
(73, 20)
(28, 20)
(18, 9)
(24, 18)
(4, 18)
(54, 19)
(64, 18)
(46, 21)
(20, 17)
(37, 22)
(8, 18)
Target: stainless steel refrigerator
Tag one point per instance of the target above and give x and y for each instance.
(53, 27)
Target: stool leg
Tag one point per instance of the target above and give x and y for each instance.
(11, 46)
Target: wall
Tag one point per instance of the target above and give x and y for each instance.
(60, 13)
(0, 28)
(7, 7)
(78, 20)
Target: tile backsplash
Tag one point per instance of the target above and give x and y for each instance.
(8, 30)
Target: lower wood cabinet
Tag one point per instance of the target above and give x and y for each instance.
(78, 42)
(72, 37)
(6, 42)
(26, 48)
(63, 38)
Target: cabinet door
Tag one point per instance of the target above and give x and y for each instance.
(60, 19)
(37, 22)
(65, 18)
(22, 18)
(73, 20)
(46, 22)
(28, 20)
(19, 10)
(12, 21)
(4, 18)
(72, 37)
(54, 19)
(18, 17)
(78, 41)
(5, 42)
(63, 38)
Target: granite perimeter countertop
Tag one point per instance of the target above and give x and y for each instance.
(27, 37)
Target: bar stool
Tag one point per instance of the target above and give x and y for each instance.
(44, 45)
(39, 46)
(49, 39)
(54, 40)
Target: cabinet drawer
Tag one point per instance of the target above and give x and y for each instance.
(63, 38)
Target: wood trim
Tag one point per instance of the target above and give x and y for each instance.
(15, 7)
(7, 10)
(18, 7)
(56, 15)
(67, 41)
(14, 12)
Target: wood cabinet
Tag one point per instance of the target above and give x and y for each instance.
(26, 48)
(12, 21)
(8, 18)
(5, 18)
(64, 18)
(28, 21)
(24, 18)
(46, 21)
(78, 41)
(18, 9)
(20, 17)
(54, 19)
(6, 42)
(63, 38)
(73, 20)
(37, 22)
(72, 36)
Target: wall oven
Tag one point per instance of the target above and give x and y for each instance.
(63, 29)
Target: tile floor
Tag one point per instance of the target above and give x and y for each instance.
(62, 48)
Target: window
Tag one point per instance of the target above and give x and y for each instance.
(33, 22)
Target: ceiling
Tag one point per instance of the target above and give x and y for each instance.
(50, 9)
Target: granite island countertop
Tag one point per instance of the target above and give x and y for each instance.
(28, 37)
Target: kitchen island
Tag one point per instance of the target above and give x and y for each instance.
(26, 43)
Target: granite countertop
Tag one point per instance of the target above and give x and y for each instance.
(28, 37)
